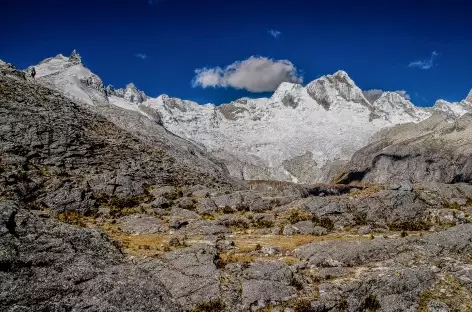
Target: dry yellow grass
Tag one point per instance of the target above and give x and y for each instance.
(138, 245)
(226, 258)
(142, 245)
(246, 243)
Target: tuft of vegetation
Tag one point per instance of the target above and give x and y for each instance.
(210, 306)
(360, 218)
(370, 304)
(410, 225)
(325, 222)
(178, 193)
(126, 202)
(449, 291)
(223, 259)
(43, 172)
(72, 217)
(302, 305)
(263, 223)
(228, 209)
(295, 215)
(296, 283)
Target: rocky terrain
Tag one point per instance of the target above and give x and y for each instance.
(103, 209)
(435, 150)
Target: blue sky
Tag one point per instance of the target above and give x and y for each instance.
(422, 47)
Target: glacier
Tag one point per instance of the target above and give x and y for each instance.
(302, 134)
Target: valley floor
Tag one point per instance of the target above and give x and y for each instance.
(347, 248)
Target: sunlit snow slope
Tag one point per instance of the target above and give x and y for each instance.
(300, 134)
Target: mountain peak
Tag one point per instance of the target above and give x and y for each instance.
(327, 89)
(133, 94)
(341, 73)
(395, 96)
(469, 97)
(75, 57)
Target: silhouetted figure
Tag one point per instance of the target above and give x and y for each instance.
(33, 73)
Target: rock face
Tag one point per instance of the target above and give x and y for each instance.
(60, 154)
(47, 265)
(454, 110)
(435, 150)
(9, 70)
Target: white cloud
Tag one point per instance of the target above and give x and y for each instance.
(141, 56)
(274, 33)
(425, 64)
(374, 94)
(256, 74)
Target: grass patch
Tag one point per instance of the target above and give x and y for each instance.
(72, 217)
(448, 290)
(248, 242)
(224, 259)
(296, 215)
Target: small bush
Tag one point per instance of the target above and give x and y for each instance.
(262, 223)
(302, 305)
(296, 215)
(210, 306)
(178, 193)
(296, 283)
(228, 209)
(370, 304)
(360, 218)
(324, 222)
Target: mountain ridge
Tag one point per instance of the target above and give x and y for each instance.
(328, 119)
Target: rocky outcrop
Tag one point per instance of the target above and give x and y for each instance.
(59, 154)
(436, 150)
(9, 70)
(47, 265)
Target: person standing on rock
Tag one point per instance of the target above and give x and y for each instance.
(33, 73)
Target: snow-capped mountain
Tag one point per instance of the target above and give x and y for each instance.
(70, 76)
(297, 134)
(456, 109)
(300, 134)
